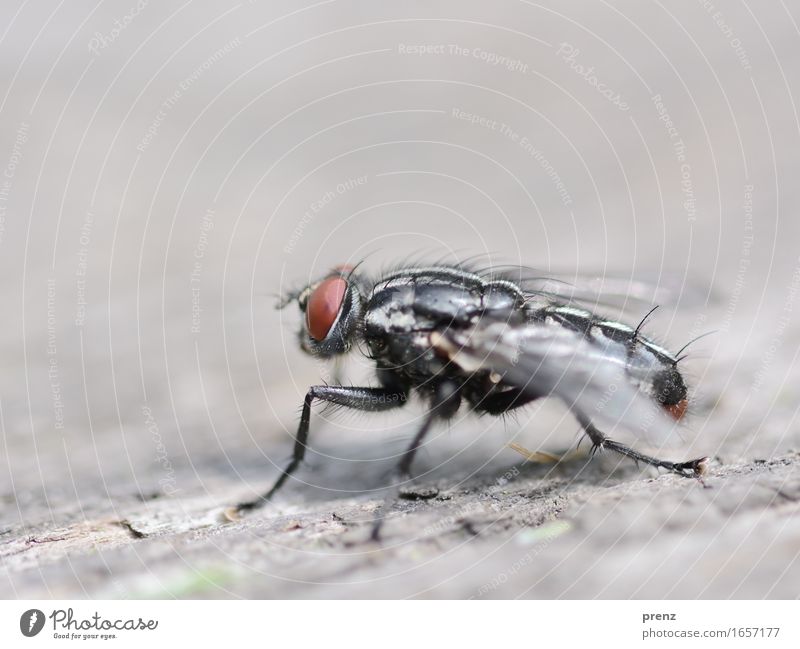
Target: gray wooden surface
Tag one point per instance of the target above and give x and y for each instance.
(163, 179)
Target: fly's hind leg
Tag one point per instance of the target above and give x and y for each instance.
(691, 469)
(445, 403)
(367, 399)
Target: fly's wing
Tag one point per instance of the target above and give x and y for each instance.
(548, 360)
(626, 293)
(629, 293)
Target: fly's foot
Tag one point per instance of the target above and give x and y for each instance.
(231, 514)
(237, 512)
(693, 468)
(375, 532)
(400, 477)
(243, 508)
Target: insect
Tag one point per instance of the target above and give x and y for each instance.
(489, 339)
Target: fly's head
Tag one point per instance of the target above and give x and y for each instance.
(332, 308)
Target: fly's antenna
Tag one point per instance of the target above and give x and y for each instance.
(284, 299)
(679, 358)
(643, 320)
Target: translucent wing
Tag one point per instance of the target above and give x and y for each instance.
(616, 290)
(594, 379)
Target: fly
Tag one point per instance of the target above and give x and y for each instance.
(491, 340)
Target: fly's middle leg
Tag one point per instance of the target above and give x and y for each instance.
(445, 403)
(367, 399)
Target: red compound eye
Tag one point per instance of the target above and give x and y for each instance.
(323, 306)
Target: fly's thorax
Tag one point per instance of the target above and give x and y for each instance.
(404, 310)
(397, 336)
(424, 299)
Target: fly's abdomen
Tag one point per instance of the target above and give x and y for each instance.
(653, 369)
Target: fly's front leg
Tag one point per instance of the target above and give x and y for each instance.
(691, 469)
(366, 399)
(445, 403)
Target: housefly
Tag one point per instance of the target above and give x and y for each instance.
(493, 340)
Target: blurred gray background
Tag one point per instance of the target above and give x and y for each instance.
(167, 168)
